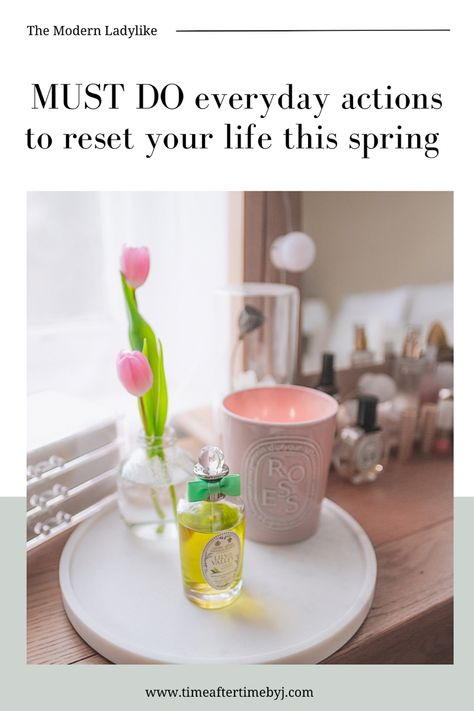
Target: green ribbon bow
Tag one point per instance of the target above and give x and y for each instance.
(200, 489)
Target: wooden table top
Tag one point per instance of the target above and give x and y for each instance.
(408, 515)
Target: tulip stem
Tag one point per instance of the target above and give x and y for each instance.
(141, 409)
(158, 509)
(171, 488)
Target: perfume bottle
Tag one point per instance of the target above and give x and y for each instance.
(361, 355)
(327, 380)
(211, 533)
(360, 451)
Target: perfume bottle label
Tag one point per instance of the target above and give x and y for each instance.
(282, 481)
(369, 452)
(220, 560)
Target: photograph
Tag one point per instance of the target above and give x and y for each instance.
(239, 427)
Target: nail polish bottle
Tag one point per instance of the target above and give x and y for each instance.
(361, 355)
(360, 451)
(327, 380)
(211, 533)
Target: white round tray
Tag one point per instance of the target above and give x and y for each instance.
(300, 603)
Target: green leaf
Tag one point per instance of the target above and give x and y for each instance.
(162, 402)
(148, 402)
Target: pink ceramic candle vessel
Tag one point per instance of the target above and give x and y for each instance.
(280, 440)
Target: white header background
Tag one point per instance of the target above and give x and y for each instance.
(329, 62)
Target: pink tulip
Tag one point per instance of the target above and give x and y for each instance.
(135, 265)
(134, 372)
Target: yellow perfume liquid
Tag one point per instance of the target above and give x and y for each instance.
(211, 536)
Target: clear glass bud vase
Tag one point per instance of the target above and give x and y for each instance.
(150, 483)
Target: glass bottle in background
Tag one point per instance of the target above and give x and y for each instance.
(429, 381)
(409, 369)
(407, 433)
(443, 441)
(327, 380)
(437, 338)
(361, 355)
(149, 484)
(211, 533)
(390, 356)
(360, 451)
(427, 427)
(439, 370)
